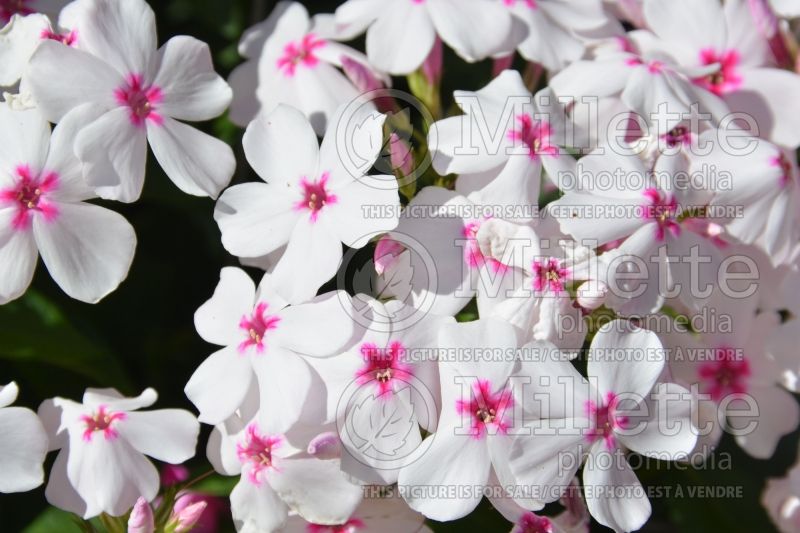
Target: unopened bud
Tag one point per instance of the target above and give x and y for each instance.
(362, 77)
(185, 517)
(141, 519)
(386, 254)
(432, 67)
(400, 154)
(325, 446)
(592, 294)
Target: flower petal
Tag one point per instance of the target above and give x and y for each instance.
(449, 462)
(192, 89)
(62, 78)
(169, 435)
(113, 152)
(196, 162)
(281, 147)
(87, 249)
(23, 446)
(217, 320)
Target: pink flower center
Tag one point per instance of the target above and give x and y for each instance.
(727, 374)
(529, 3)
(29, 195)
(662, 207)
(535, 134)
(257, 452)
(300, 53)
(9, 8)
(787, 172)
(604, 419)
(473, 256)
(351, 526)
(68, 38)
(531, 523)
(141, 100)
(383, 365)
(677, 136)
(486, 409)
(256, 326)
(550, 274)
(315, 196)
(727, 79)
(102, 420)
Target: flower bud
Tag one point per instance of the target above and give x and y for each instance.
(325, 446)
(400, 154)
(184, 517)
(141, 519)
(386, 253)
(432, 67)
(592, 294)
(502, 63)
(362, 77)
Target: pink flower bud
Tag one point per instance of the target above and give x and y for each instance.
(186, 517)
(432, 67)
(502, 63)
(362, 77)
(400, 154)
(768, 24)
(386, 253)
(592, 294)
(141, 519)
(325, 446)
(173, 474)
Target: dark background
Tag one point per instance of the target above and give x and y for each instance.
(143, 335)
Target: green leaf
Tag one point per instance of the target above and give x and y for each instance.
(53, 519)
(34, 330)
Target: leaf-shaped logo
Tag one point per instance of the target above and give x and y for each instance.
(382, 424)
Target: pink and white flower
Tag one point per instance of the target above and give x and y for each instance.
(615, 410)
(616, 197)
(23, 444)
(503, 129)
(401, 35)
(650, 83)
(704, 33)
(314, 197)
(735, 374)
(126, 93)
(765, 183)
(43, 210)
(101, 466)
(278, 478)
(389, 379)
(292, 59)
(266, 343)
(535, 297)
(480, 411)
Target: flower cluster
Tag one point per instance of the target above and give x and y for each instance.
(593, 257)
